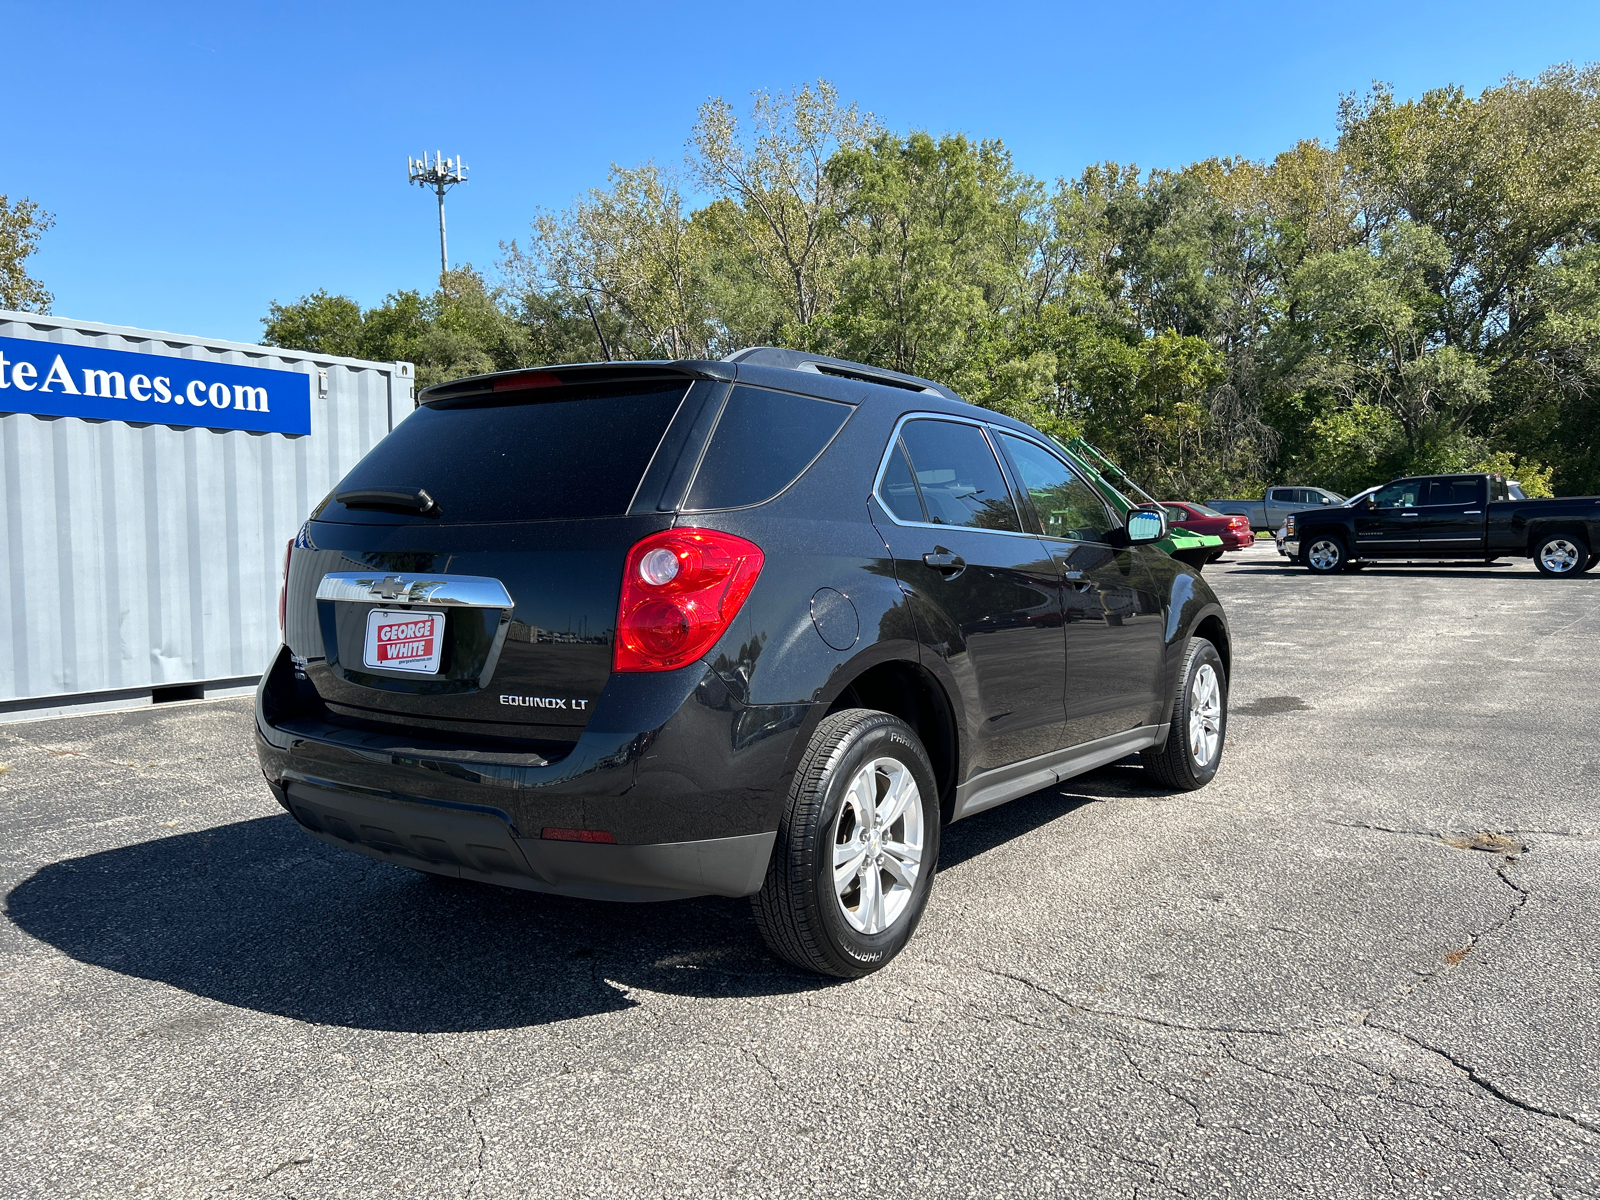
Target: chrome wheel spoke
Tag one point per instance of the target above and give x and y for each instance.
(871, 906)
(902, 861)
(902, 790)
(847, 861)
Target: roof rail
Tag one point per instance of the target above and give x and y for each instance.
(821, 364)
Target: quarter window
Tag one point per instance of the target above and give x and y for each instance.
(957, 477)
(1067, 507)
(762, 442)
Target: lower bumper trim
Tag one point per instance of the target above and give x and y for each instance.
(483, 847)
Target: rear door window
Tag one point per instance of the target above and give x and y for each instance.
(1463, 491)
(1065, 505)
(565, 453)
(763, 441)
(958, 477)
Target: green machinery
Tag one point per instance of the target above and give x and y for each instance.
(1196, 549)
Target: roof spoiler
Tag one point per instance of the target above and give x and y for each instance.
(532, 378)
(821, 364)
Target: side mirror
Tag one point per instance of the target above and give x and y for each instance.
(1327, 500)
(1372, 502)
(1146, 524)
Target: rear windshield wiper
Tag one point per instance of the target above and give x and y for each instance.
(408, 499)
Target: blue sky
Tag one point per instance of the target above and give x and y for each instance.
(203, 160)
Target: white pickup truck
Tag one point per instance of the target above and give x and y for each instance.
(1268, 514)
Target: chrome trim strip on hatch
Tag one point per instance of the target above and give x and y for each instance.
(379, 587)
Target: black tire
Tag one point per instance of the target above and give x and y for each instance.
(1594, 560)
(798, 910)
(1174, 763)
(1560, 555)
(1324, 554)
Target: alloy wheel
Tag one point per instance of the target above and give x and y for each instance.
(877, 845)
(1205, 714)
(1324, 554)
(1560, 556)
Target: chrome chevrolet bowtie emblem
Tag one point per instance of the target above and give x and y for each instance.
(389, 588)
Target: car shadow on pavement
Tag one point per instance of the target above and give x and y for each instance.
(257, 915)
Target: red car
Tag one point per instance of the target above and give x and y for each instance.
(1197, 518)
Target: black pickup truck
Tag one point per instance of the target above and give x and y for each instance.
(1447, 517)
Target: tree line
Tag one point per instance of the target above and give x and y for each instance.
(1421, 295)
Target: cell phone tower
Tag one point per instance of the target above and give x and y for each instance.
(441, 175)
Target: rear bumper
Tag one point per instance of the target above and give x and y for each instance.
(481, 843)
(681, 783)
(1238, 541)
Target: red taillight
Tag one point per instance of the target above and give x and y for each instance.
(681, 588)
(1237, 522)
(283, 592)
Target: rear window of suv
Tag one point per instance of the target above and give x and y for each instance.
(554, 454)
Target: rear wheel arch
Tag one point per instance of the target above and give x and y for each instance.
(1539, 530)
(908, 690)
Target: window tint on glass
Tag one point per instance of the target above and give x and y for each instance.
(898, 491)
(572, 452)
(1066, 506)
(1455, 491)
(1176, 512)
(956, 472)
(762, 442)
(1404, 494)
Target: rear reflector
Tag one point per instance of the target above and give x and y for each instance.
(577, 835)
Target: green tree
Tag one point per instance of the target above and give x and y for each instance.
(22, 224)
(463, 328)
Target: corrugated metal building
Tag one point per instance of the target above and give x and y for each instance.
(144, 557)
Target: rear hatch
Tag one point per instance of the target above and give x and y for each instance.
(462, 582)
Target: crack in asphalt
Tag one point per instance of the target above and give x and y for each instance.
(1123, 1016)
(1367, 1019)
(472, 1118)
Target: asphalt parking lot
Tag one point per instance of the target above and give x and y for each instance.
(1364, 962)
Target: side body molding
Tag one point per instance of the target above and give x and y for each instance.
(993, 788)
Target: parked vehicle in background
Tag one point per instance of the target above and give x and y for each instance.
(1281, 533)
(1234, 531)
(762, 627)
(1468, 516)
(1269, 513)
(1185, 545)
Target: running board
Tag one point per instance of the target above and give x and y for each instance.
(995, 787)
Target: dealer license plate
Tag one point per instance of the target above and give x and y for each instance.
(405, 641)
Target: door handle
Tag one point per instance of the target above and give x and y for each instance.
(1408, 514)
(945, 562)
(1472, 512)
(1076, 580)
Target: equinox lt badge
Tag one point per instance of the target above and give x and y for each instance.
(545, 702)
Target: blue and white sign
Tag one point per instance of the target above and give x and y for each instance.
(50, 379)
